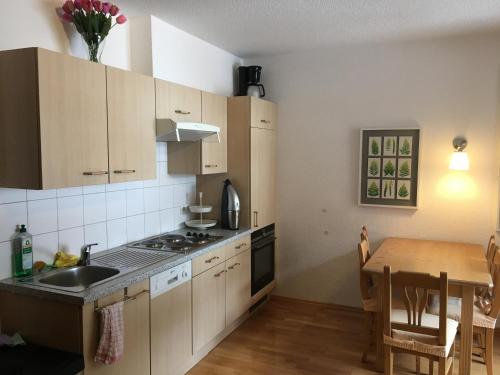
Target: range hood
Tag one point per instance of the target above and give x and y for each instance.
(168, 130)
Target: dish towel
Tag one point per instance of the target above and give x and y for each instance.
(110, 348)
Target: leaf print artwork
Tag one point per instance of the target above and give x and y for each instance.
(389, 169)
(373, 169)
(373, 190)
(388, 145)
(405, 148)
(374, 147)
(385, 189)
(404, 170)
(403, 191)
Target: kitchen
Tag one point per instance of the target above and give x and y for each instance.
(126, 190)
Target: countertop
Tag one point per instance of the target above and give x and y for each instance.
(109, 287)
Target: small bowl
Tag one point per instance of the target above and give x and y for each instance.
(200, 209)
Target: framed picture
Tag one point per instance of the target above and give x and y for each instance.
(388, 171)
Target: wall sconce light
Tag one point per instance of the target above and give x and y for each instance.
(459, 159)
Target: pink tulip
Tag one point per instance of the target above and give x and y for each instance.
(67, 17)
(105, 7)
(121, 19)
(78, 4)
(68, 7)
(114, 10)
(87, 6)
(97, 5)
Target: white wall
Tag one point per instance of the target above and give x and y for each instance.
(108, 214)
(446, 87)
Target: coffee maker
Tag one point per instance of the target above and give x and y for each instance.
(249, 81)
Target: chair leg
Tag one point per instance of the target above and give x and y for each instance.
(452, 356)
(388, 360)
(368, 334)
(417, 365)
(431, 367)
(442, 366)
(489, 351)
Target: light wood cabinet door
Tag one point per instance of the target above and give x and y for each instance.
(171, 331)
(131, 126)
(136, 358)
(73, 121)
(177, 102)
(263, 177)
(238, 286)
(262, 114)
(213, 153)
(209, 305)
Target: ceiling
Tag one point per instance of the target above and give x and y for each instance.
(251, 28)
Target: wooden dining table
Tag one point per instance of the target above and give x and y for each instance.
(465, 264)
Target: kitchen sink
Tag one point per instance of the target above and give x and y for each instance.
(79, 278)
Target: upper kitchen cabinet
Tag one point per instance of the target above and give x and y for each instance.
(53, 125)
(177, 102)
(262, 114)
(208, 156)
(131, 126)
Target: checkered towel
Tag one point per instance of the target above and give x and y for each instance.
(110, 348)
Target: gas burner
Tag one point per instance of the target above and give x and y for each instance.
(176, 243)
(173, 238)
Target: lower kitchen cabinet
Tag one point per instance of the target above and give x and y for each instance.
(209, 305)
(171, 333)
(238, 286)
(136, 357)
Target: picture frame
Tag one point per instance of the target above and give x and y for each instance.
(389, 167)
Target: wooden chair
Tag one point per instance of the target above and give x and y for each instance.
(364, 236)
(369, 298)
(412, 330)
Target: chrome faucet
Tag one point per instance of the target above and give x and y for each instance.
(85, 254)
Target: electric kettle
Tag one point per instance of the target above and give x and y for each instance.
(230, 207)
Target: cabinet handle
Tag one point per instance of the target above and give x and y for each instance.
(211, 165)
(120, 171)
(181, 112)
(255, 223)
(265, 121)
(98, 173)
(234, 265)
(220, 273)
(241, 245)
(211, 259)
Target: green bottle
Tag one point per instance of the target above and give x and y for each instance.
(23, 253)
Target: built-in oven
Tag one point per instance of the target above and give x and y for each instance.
(262, 258)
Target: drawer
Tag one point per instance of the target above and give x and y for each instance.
(238, 246)
(209, 260)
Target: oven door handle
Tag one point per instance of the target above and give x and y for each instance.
(264, 242)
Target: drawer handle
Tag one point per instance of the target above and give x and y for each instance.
(211, 165)
(181, 112)
(211, 259)
(220, 273)
(265, 121)
(255, 222)
(241, 245)
(98, 173)
(234, 265)
(120, 171)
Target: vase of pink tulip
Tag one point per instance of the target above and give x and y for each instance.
(93, 20)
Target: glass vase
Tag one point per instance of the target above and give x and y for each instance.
(95, 45)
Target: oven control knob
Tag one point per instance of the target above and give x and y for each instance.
(184, 274)
(207, 235)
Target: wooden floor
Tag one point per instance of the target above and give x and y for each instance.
(294, 337)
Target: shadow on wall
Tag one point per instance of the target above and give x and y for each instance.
(334, 281)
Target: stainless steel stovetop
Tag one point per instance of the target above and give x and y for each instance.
(176, 243)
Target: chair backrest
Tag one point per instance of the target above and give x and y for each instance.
(495, 303)
(364, 279)
(490, 254)
(415, 288)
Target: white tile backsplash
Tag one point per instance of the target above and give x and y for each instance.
(12, 195)
(94, 208)
(6, 259)
(42, 216)
(110, 214)
(45, 246)
(11, 215)
(96, 233)
(116, 204)
(135, 202)
(71, 240)
(70, 212)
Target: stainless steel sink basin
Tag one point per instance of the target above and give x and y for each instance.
(79, 278)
